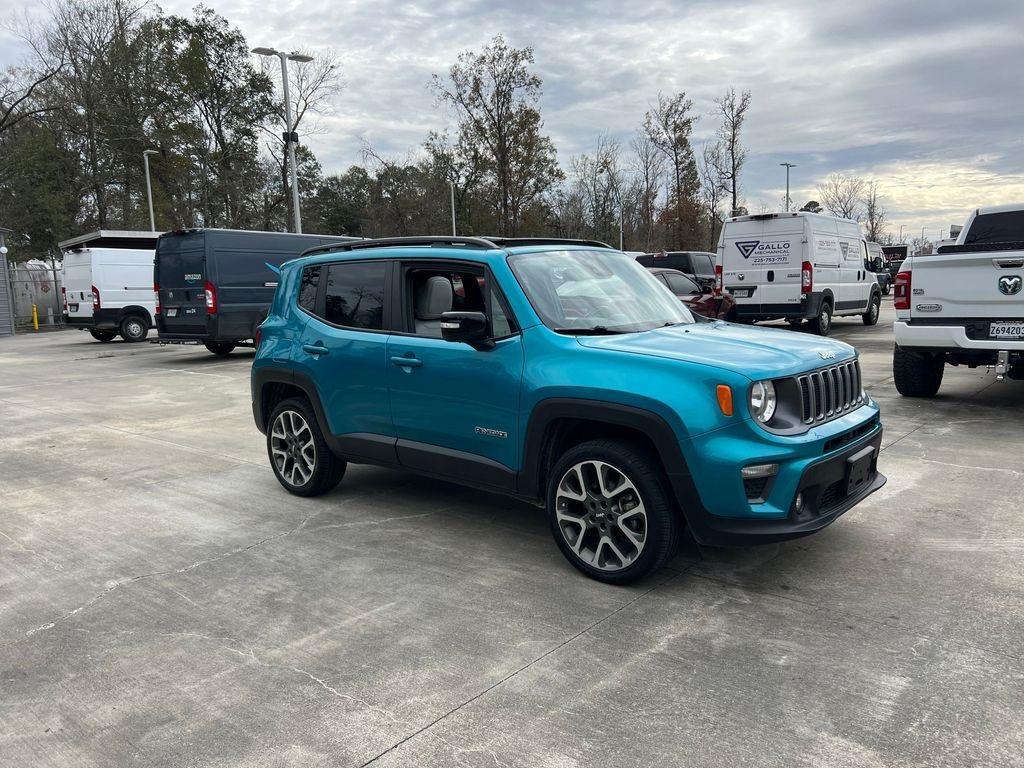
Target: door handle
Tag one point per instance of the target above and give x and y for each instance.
(315, 349)
(407, 362)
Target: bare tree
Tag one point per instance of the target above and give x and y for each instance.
(21, 86)
(732, 109)
(713, 187)
(843, 196)
(649, 169)
(875, 219)
(669, 124)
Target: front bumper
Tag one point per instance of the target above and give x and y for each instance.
(948, 337)
(716, 506)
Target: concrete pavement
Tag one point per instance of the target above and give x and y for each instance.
(164, 602)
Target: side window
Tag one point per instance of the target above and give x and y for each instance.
(500, 326)
(681, 285)
(355, 294)
(308, 287)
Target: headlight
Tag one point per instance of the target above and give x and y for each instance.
(763, 401)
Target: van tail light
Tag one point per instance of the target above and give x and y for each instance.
(156, 297)
(64, 298)
(718, 279)
(901, 298)
(211, 298)
(807, 277)
(95, 298)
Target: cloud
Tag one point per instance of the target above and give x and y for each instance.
(922, 95)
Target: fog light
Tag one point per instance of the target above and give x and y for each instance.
(759, 470)
(799, 504)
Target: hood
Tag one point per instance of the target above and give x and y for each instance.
(758, 353)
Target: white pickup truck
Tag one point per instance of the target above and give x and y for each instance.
(963, 305)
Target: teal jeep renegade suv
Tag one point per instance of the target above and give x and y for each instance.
(565, 374)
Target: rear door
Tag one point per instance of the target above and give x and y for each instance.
(77, 284)
(181, 274)
(761, 263)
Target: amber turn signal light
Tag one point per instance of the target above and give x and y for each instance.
(725, 399)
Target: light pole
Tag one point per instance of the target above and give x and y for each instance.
(618, 199)
(149, 189)
(787, 166)
(290, 136)
(901, 232)
(451, 186)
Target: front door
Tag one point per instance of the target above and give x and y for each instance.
(455, 407)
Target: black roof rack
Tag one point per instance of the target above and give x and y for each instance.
(484, 243)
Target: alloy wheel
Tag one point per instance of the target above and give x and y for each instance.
(293, 448)
(600, 515)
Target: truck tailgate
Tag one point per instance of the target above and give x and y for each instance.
(981, 285)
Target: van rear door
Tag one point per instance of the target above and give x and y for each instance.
(761, 263)
(180, 273)
(78, 284)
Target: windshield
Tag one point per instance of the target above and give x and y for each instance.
(595, 291)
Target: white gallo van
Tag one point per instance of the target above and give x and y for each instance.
(107, 283)
(796, 266)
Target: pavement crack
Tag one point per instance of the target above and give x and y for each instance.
(34, 553)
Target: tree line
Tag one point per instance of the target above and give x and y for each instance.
(106, 80)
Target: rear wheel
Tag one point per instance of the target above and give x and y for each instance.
(133, 328)
(822, 324)
(917, 373)
(611, 512)
(220, 348)
(102, 335)
(871, 316)
(300, 457)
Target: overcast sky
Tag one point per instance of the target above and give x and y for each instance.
(924, 96)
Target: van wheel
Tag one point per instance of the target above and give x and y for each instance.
(871, 316)
(917, 374)
(611, 512)
(102, 335)
(822, 324)
(300, 457)
(133, 328)
(220, 348)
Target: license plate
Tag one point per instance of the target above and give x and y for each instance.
(172, 311)
(741, 293)
(858, 469)
(72, 307)
(1002, 329)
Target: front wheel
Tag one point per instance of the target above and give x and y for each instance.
(133, 328)
(102, 335)
(822, 324)
(220, 348)
(300, 457)
(917, 374)
(611, 512)
(871, 316)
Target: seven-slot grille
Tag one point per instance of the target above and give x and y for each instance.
(829, 392)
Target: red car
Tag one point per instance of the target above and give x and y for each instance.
(706, 304)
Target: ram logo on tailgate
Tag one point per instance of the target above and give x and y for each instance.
(1010, 285)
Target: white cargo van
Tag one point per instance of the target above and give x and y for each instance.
(107, 283)
(796, 266)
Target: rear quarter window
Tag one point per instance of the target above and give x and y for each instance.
(308, 286)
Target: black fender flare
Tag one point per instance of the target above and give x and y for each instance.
(135, 309)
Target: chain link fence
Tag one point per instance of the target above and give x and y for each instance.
(38, 284)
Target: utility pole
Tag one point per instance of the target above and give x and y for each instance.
(451, 186)
(149, 189)
(290, 136)
(787, 167)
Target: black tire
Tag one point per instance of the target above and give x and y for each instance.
(327, 469)
(822, 324)
(917, 373)
(220, 348)
(103, 336)
(885, 290)
(134, 328)
(874, 309)
(795, 322)
(662, 526)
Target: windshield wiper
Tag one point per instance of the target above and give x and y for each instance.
(596, 330)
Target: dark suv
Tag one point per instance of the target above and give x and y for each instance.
(564, 374)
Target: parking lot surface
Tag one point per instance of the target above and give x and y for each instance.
(164, 602)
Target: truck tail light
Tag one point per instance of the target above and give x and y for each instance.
(211, 298)
(807, 277)
(64, 298)
(718, 280)
(156, 297)
(901, 297)
(95, 298)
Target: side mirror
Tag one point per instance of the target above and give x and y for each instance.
(467, 327)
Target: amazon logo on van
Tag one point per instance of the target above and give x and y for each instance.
(191, 278)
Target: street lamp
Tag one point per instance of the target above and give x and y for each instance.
(787, 166)
(451, 186)
(149, 189)
(290, 136)
(604, 169)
